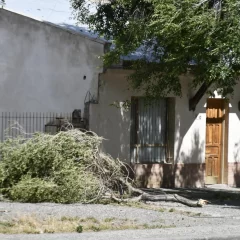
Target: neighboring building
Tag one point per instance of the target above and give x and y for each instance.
(165, 143)
(45, 67)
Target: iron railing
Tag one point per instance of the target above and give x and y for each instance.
(13, 124)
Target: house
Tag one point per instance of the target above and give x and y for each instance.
(45, 67)
(165, 143)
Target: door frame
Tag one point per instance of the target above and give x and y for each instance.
(223, 178)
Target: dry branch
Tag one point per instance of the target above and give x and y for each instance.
(161, 197)
(158, 198)
(174, 198)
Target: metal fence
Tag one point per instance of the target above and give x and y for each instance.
(13, 124)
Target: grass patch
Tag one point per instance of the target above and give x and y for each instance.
(109, 219)
(153, 207)
(30, 224)
(143, 206)
(188, 213)
(197, 215)
(172, 210)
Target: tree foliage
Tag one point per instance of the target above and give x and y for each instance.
(177, 35)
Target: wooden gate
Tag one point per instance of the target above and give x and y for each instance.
(214, 140)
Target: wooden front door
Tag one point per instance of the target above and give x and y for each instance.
(214, 140)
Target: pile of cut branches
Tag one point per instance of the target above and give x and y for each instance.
(67, 167)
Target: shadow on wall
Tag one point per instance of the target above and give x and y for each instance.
(114, 126)
(191, 172)
(149, 175)
(236, 174)
(188, 171)
(178, 175)
(234, 168)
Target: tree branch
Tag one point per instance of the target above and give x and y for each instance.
(198, 96)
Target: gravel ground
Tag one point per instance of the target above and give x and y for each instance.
(77, 210)
(181, 233)
(219, 220)
(174, 214)
(209, 222)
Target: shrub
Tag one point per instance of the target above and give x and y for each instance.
(79, 229)
(33, 190)
(64, 168)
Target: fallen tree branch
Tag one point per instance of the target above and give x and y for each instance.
(130, 187)
(174, 198)
(157, 198)
(113, 197)
(191, 203)
(160, 197)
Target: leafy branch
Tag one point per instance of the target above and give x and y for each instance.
(196, 37)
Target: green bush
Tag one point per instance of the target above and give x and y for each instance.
(79, 229)
(33, 190)
(63, 168)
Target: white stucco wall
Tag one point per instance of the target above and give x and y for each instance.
(190, 126)
(191, 137)
(234, 127)
(114, 123)
(109, 121)
(194, 129)
(42, 66)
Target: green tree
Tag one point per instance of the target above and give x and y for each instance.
(201, 36)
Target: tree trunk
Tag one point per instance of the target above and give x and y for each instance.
(173, 198)
(155, 198)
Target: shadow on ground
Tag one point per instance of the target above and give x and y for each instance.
(228, 197)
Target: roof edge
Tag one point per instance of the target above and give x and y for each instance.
(98, 40)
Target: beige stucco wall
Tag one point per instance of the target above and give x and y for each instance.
(114, 123)
(109, 121)
(42, 67)
(234, 127)
(190, 126)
